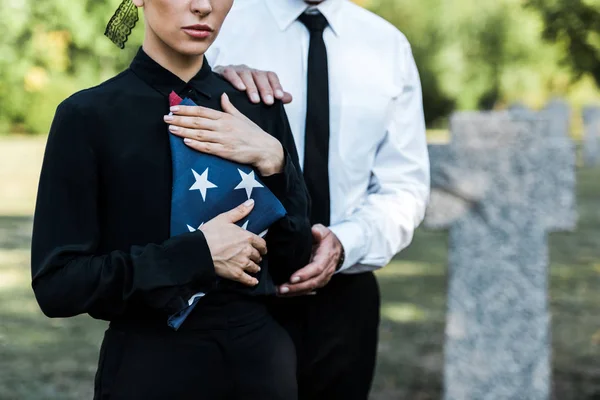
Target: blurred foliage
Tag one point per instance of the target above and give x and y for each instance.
(487, 54)
(575, 24)
(471, 53)
(49, 49)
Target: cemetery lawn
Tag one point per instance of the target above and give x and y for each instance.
(43, 359)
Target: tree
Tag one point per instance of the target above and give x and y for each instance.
(475, 54)
(50, 49)
(471, 54)
(575, 24)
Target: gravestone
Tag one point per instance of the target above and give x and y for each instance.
(518, 107)
(497, 331)
(557, 110)
(559, 113)
(591, 141)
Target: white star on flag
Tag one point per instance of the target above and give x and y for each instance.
(194, 229)
(248, 182)
(202, 183)
(245, 227)
(263, 233)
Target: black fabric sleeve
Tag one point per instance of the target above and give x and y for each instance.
(289, 240)
(69, 277)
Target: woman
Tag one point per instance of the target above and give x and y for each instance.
(101, 240)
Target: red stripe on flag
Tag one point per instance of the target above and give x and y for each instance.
(174, 99)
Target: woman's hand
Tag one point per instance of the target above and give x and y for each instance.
(229, 135)
(234, 250)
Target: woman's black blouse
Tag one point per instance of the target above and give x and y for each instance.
(101, 240)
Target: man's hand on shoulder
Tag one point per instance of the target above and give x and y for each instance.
(258, 85)
(327, 253)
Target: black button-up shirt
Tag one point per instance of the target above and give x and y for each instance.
(101, 240)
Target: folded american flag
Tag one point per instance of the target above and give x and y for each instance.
(205, 186)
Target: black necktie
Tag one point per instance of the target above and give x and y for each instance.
(316, 153)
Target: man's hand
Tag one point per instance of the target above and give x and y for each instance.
(257, 84)
(326, 254)
(235, 251)
(229, 135)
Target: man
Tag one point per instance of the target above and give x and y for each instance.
(357, 120)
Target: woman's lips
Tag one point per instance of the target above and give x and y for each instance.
(198, 31)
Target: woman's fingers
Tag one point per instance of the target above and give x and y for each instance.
(197, 111)
(213, 148)
(242, 277)
(182, 121)
(252, 267)
(255, 255)
(196, 134)
(229, 108)
(236, 214)
(259, 244)
(200, 135)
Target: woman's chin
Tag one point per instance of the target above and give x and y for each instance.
(192, 48)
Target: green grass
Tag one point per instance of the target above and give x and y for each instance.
(20, 163)
(55, 359)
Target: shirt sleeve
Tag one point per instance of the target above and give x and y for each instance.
(289, 240)
(385, 222)
(69, 276)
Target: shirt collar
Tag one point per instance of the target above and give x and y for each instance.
(286, 12)
(164, 81)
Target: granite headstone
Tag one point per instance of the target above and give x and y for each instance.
(495, 187)
(591, 141)
(559, 113)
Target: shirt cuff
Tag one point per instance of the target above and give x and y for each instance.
(190, 267)
(190, 259)
(354, 239)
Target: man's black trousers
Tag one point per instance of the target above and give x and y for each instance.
(336, 335)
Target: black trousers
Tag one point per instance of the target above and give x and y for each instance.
(225, 350)
(335, 333)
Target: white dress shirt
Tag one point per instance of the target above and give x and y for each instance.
(378, 160)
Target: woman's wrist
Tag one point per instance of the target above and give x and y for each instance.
(272, 162)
